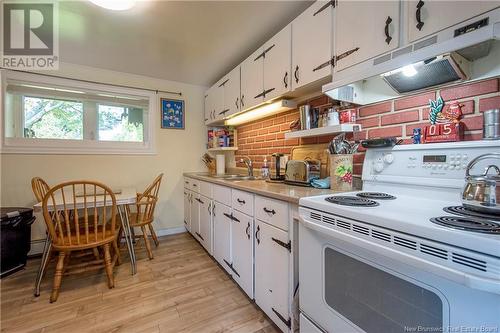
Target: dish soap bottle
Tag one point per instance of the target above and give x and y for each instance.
(264, 171)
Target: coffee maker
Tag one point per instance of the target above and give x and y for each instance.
(276, 173)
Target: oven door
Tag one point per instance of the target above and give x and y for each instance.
(345, 288)
(351, 284)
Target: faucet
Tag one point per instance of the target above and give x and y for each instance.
(248, 162)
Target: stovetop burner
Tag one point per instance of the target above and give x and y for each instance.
(464, 211)
(376, 195)
(468, 224)
(351, 201)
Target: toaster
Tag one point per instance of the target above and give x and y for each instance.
(301, 172)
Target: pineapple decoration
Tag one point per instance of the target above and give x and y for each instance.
(436, 108)
(445, 122)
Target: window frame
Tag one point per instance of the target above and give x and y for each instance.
(13, 145)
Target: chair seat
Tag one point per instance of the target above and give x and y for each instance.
(73, 242)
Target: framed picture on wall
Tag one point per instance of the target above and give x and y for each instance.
(172, 113)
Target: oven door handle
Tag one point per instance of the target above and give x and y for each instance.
(466, 279)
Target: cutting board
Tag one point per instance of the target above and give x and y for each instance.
(313, 152)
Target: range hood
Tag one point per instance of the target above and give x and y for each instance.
(436, 71)
(446, 58)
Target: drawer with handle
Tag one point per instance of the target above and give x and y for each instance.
(195, 185)
(187, 183)
(205, 189)
(274, 212)
(243, 202)
(222, 194)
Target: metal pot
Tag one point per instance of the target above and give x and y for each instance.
(482, 192)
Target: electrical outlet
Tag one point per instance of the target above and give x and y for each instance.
(283, 161)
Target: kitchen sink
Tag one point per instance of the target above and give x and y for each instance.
(236, 177)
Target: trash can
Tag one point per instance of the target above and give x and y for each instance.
(15, 231)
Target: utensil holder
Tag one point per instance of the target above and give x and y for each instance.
(341, 172)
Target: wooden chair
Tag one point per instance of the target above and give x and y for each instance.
(144, 214)
(80, 225)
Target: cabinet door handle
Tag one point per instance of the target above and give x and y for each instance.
(213, 209)
(269, 211)
(330, 3)
(323, 65)
(346, 54)
(418, 15)
(257, 233)
(287, 246)
(209, 207)
(224, 111)
(296, 74)
(288, 322)
(386, 30)
(268, 91)
(197, 234)
(223, 83)
(240, 201)
(199, 200)
(285, 79)
(227, 215)
(247, 230)
(241, 101)
(236, 103)
(268, 49)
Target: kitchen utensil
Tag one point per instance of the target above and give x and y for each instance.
(302, 172)
(341, 172)
(305, 117)
(313, 152)
(491, 124)
(482, 192)
(276, 173)
(333, 117)
(379, 143)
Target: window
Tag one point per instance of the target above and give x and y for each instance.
(48, 115)
(46, 118)
(120, 123)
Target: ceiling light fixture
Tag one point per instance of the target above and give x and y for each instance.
(261, 112)
(114, 4)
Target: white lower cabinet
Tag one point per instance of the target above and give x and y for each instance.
(205, 225)
(272, 272)
(242, 251)
(194, 213)
(248, 235)
(222, 235)
(187, 209)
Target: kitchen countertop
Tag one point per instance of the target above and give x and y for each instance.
(280, 191)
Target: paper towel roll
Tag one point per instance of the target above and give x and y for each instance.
(220, 162)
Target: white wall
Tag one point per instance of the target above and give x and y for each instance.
(178, 151)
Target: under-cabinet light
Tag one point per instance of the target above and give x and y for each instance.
(261, 112)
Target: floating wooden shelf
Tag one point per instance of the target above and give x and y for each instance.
(322, 131)
(223, 149)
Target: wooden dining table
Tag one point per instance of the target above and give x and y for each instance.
(124, 197)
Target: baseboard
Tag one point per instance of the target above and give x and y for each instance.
(170, 231)
(37, 245)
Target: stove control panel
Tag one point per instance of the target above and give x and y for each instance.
(427, 163)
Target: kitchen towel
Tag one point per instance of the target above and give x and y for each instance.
(220, 164)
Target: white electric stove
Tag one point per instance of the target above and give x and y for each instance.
(402, 255)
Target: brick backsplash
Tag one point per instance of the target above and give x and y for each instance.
(398, 117)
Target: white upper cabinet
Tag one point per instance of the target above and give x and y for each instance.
(231, 93)
(364, 30)
(209, 110)
(428, 17)
(252, 80)
(277, 64)
(312, 44)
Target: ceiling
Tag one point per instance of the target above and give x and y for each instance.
(195, 42)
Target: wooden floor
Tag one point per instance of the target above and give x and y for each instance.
(181, 290)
